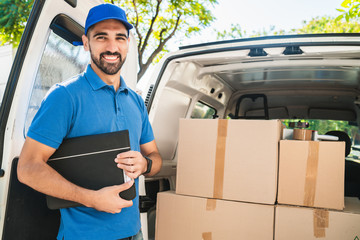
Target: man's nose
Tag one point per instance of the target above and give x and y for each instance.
(112, 46)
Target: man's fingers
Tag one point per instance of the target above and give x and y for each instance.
(126, 161)
(124, 186)
(128, 154)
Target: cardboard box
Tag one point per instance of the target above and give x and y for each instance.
(182, 217)
(299, 223)
(311, 173)
(228, 159)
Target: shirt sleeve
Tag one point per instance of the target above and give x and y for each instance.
(53, 120)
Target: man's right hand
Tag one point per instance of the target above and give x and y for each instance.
(108, 200)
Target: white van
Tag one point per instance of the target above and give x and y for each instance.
(312, 77)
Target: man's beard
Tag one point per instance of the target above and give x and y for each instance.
(108, 68)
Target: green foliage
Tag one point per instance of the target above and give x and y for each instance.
(14, 14)
(316, 25)
(350, 10)
(324, 126)
(235, 32)
(157, 21)
(328, 25)
(203, 111)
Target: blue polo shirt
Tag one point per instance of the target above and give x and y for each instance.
(85, 105)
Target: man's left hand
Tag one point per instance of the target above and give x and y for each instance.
(132, 162)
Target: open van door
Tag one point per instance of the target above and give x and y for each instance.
(46, 55)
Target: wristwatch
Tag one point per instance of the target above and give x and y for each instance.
(149, 165)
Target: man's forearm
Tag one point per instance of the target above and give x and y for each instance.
(41, 177)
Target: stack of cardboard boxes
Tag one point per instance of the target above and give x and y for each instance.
(236, 179)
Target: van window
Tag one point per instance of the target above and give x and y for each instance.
(201, 110)
(6, 59)
(60, 61)
(325, 126)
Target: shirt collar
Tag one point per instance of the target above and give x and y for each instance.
(96, 83)
(123, 87)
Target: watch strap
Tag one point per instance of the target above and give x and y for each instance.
(149, 165)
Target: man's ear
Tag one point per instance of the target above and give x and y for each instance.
(85, 42)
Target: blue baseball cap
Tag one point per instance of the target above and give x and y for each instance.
(103, 12)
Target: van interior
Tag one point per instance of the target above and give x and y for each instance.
(299, 81)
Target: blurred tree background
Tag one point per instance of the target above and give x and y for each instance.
(328, 25)
(324, 126)
(346, 22)
(350, 10)
(14, 14)
(156, 22)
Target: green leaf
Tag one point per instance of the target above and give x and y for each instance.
(346, 3)
(339, 18)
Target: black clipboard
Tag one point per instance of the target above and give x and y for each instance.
(88, 161)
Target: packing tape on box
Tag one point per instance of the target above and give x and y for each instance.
(321, 222)
(206, 236)
(210, 204)
(220, 158)
(311, 173)
(302, 134)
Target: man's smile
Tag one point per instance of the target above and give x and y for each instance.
(108, 62)
(110, 58)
